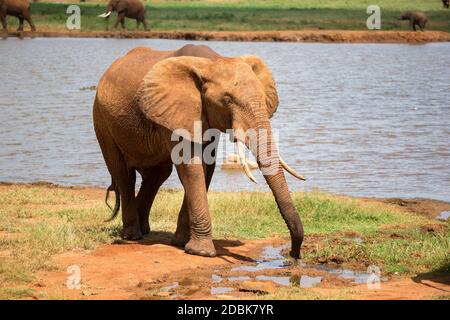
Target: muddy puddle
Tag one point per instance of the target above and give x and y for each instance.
(267, 274)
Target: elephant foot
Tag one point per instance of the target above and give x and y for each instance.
(131, 233)
(145, 228)
(180, 239)
(204, 247)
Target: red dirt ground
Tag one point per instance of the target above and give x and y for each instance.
(139, 271)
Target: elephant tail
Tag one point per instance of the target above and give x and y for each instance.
(115, 210)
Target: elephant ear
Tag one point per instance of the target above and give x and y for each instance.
(264, 75)
(170, 95)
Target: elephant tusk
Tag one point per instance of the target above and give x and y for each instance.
(247, 171)
(105, 15)
(290, 170)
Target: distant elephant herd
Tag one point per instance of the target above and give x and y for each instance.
(134, 9)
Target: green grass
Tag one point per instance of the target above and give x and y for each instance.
(39, 222)
(249, 15)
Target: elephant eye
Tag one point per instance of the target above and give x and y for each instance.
(227, 100)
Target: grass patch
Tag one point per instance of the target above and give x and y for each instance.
(38, 222)
(248, 15)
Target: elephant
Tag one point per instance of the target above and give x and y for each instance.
(16, 8)
(416, 18)
(141, 101)
(133, 9)
(446, 3)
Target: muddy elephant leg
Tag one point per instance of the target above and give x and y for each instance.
(120, 19)
(107, 23)
(3, 20)
(122, 22)
(20, 28)
(182, 234)
(124, 178)
(192, 177)
(145, 24)
(152, 179)
(146, 28)
(30, 22)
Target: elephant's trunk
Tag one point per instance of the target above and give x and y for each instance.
(270, 163)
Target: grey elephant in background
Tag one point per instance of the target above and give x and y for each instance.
(133, 9)
(416, 18)
(16, 8)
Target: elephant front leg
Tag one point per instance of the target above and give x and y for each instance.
(145, 25)
(182, 234)
(120, 19)
(107, 23)
(192, 177)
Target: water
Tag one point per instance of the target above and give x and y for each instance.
(272, 259)
(444, 215)
(363, 120)
(221, 290)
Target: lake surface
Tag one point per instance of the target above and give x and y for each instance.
(363, 120)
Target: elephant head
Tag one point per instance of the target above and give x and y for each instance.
(112, 6)
(227, 93)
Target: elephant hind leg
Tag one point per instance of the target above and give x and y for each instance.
(422, 26)
(20, 28)
(30, 22)
(3, 20)
(145, 25)
(152, 179)
(124, 179)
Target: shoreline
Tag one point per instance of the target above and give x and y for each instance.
(422, 206)
(309, 36)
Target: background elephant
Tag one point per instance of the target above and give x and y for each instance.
(16, 8)
(446, 3)
(133, 9)
(147, 94)
(416, 18)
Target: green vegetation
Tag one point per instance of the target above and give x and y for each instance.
(249, 15)
(40, 221)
